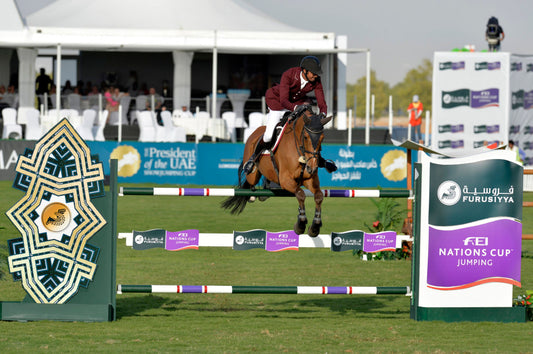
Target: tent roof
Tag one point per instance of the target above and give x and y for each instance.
(10, 19)
(163, 25)
(225, 15)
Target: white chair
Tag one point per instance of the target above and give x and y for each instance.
(98, 129)
(255, 120)
(74, 102)
(134, 116)
(87, 122)
(33, 124)
(146, 126)
(229, 118)
(160, 131)
(11, 130)
(173, 133)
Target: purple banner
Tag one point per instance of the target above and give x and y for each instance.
(181, 240)
(382, 241)
(528, 100)
(485, 98)
(494, 66)
(282, 241)
(475, 255)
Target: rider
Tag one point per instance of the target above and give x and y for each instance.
(290, 94)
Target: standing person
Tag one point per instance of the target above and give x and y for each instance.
(43, 84)
(494, 34)
(520, 154)
(290, 93)
(415, 118)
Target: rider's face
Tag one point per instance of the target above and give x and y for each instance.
(310, 76)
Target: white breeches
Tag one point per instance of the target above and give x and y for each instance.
(273, 118)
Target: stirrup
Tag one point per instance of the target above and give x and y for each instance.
(249, 166)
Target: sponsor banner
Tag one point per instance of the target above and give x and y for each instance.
(464, 195)
(381, 241)
(361, 241)
(9, 154)
(181, 240)
(470, 230)
(470, 90)
(349, 240)
(218, 164)
(245, 240)
(521, 116)
(282, 241)
(143, 240)
(463, 257)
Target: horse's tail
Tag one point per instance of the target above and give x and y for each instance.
(236, 204)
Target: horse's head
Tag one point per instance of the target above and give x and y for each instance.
(314, 127)
(311, 139)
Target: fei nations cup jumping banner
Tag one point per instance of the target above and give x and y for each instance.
(469, 237)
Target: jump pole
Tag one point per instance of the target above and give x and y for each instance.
(296, 290)
(230, 192)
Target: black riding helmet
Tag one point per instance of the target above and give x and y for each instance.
(312, 64)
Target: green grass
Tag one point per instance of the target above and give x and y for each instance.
(247, 323)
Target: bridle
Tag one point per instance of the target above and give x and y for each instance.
(314, 133)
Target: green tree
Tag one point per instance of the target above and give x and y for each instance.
(417, 81)
(380, 90)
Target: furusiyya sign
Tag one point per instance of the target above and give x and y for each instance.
(471, 230)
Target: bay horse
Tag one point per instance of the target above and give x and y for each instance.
(291, 163)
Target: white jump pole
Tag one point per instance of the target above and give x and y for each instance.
(349, 127)
(390, 116)
(372, 108)
(58, 81)
(426, 140)
(120, 123)
(367, 113)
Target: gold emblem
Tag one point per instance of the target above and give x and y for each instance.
(129, 160)
(394, 165)
(56, 217)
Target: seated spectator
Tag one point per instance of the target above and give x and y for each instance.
(3, 96)
(67, 89)
(11, 97)
(111, 104)
(183, 113)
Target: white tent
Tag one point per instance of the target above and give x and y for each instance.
(180, 26)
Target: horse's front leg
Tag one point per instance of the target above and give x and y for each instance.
(314, 187)
(299, 227)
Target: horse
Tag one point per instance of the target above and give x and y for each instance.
(291, 163)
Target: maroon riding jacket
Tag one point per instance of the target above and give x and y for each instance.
(287, 94)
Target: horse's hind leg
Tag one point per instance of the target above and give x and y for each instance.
(299, 227)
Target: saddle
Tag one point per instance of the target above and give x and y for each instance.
(278, 133)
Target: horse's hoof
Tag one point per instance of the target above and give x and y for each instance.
(313, 230)
(299, 228)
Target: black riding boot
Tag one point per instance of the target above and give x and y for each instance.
(328, 164)
(249, 165)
